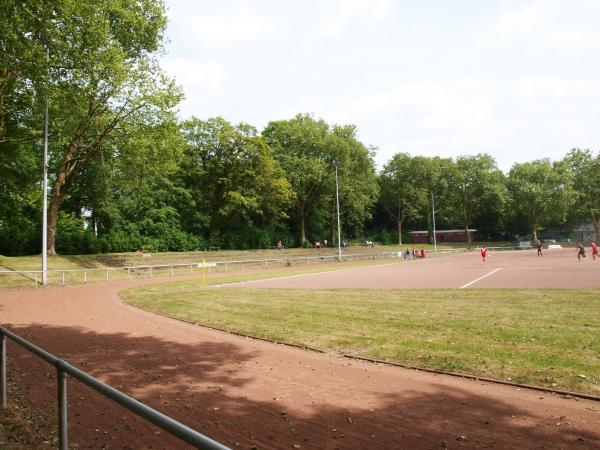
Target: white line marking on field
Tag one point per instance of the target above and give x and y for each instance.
(480, 278)
(302, 275)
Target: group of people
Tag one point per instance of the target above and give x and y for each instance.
(325, 243)
(538, 244)
(322, 243)
(581, 251)
(413, 254)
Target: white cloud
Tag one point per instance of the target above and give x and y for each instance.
(201, 82)
(219, 29)
(515, 79)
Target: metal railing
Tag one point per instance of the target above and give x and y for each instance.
(74, 276)
(63, 369)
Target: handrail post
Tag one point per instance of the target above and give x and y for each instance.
(3, 370)
(63, 435)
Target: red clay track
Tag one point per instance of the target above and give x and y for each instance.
(505, 269)
(252, 394)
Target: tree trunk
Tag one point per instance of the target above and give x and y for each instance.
(399, 223)
(302, 230)
(466, 222)
(54, 206)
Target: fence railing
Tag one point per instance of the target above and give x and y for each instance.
(63, 369)
(74, 276)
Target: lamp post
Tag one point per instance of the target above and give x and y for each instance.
(433, 216)
(337, 199)
(45, 187)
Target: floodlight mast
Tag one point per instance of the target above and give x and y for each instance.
(433, 216)
(337, 198)
(45, 189)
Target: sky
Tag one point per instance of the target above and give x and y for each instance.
(518, 80)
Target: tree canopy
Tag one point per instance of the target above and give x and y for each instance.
(126, 173)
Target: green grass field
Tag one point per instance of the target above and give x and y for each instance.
(545, 337)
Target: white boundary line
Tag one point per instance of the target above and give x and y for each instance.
(480, 278)
(302, 275)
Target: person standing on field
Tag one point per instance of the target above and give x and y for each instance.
(580, 251)
(594, 250)
(484, 254)
(538, 244)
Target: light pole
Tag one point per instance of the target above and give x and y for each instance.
(337, 199)
(45, 187)
(433, 216)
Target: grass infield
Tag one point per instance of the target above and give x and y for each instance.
(547, 337)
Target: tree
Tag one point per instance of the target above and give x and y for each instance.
(400, 196)
(540, 191)
(301, 147)
(358, 189)
(477, 182)
(102, 79)
(232, 176)
(584, 168)
(433, 176)
(308, 150)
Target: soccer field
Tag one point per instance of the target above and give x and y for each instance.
(537, 336)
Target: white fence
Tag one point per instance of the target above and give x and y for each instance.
(21, 278)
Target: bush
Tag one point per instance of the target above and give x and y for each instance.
(20, 236)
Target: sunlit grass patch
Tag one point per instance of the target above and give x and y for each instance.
(548, 337)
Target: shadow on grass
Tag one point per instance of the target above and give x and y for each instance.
(206, 384)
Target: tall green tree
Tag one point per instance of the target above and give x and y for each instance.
(477, 184)
(541, 192)
(358, 188)
(102, 79)
(308, 151)
(400, 196)
(584, 168)
(302, 149)
(232, 176)
(433, 176)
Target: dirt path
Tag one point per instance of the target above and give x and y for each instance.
(252, 394)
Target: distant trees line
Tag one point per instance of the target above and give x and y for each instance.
(121, 162)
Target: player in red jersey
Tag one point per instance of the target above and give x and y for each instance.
(594, 250)
(484, 254)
